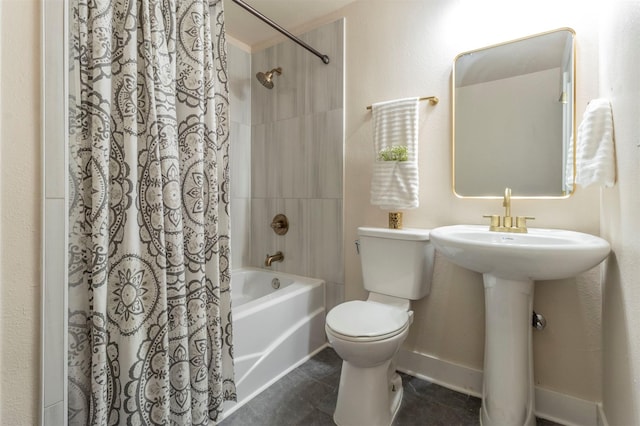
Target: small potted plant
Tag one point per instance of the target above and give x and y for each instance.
(394, 153)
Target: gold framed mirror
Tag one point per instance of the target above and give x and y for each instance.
(513, 109)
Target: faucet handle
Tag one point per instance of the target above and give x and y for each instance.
(495, 221)
(521, 221)
(280, 224)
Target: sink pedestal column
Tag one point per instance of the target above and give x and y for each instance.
(508, 393)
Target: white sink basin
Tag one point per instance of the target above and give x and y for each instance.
(541, 254)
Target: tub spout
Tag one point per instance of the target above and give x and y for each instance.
(278, 257)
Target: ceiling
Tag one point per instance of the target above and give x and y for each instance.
(244, 27)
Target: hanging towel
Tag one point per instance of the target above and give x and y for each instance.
(394, 184)
(595, 152)
(569, 177)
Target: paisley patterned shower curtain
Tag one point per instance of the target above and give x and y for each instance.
(149, 301)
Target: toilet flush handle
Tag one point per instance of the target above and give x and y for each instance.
(357, 243)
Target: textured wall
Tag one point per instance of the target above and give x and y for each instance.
(619, 64)
(20, 212)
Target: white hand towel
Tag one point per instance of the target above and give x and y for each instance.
(569, 177)
(595, 152)
(394, 184)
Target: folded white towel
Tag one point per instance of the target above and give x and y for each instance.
(595, 152)
(394, 184)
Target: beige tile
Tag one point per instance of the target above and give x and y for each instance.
(239, 84)
(263, 239)
(325, 83)
(293, 158)
(324, 133)
(240, 232)
(265, 165)
(240, 156)
(325, 239)
(54, 302)
(289, 88)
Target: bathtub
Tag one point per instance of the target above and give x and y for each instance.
(274, 330)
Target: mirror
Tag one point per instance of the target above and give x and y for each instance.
(513, 118)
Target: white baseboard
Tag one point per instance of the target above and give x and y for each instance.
(565, 409)
(550, 405)
(452, 376)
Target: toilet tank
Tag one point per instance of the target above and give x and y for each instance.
(396, 262)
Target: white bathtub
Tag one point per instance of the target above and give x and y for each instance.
(274, 330)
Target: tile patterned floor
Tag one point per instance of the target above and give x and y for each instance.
(307, 397)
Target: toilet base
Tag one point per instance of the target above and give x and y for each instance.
(368, 396)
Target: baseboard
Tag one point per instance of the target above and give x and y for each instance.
(452, 376)
(550, 405)
(565, 409)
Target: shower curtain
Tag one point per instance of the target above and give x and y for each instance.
(149, 320)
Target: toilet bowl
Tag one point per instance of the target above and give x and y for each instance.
(370, 390)
(397, 266)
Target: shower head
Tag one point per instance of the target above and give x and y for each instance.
(265, 78)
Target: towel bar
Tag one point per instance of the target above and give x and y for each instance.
(433, 100)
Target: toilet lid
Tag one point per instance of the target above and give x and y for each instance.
(366, 319)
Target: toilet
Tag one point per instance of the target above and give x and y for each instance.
(397, 266)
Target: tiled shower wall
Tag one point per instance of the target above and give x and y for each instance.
(239, 68)
(54, 224)
(296, 151)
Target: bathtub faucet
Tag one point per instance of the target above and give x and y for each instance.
(278, 257)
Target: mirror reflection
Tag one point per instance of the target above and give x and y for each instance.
(513, 117)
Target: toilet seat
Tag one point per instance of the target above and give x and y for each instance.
(361, 321)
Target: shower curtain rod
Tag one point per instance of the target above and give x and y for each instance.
(279, 28)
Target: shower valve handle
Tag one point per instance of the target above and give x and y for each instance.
(280, 224)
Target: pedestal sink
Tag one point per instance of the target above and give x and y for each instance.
(510, 262)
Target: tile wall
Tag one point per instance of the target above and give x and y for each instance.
(239, 69)
(54, 214)
(297, 146)
(296, 151)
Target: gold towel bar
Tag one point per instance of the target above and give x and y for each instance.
(433, 100)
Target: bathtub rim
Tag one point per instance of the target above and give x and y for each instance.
(299, 285)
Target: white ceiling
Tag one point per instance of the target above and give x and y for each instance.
(244, 27)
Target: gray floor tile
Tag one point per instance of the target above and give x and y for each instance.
(307, 397)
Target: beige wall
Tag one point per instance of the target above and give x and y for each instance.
(20, 166)
(396, 49)
(619, 64)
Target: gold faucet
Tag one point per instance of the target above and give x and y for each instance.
(278, 257)
(505, 224)
(506, 203)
